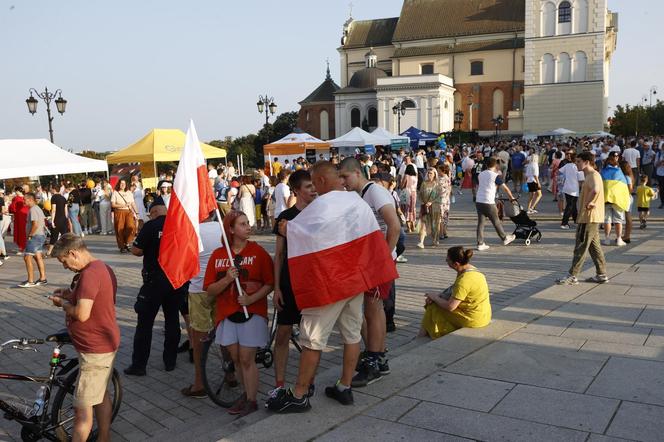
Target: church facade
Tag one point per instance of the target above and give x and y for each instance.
(520, 66)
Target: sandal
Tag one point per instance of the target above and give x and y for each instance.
(196, 394)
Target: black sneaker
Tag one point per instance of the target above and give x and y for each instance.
(360, 360)
(134, 371)
(285, 402)
(383, 366)
(367, 375)
(312, 391)
(41, 282)
(343, 397)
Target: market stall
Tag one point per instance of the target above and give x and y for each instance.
(295, 145)
(355, 141)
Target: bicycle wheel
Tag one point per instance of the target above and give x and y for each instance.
(219, 375)
(63, 405)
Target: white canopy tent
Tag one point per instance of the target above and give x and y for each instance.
(387, 136)
(357, 137)
(40, 157)
(560, 132)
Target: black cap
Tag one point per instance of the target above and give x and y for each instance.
(164, 183)
(158, 201)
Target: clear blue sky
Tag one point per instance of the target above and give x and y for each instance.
(127, 66)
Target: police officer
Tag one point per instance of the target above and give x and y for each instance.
(156, 292)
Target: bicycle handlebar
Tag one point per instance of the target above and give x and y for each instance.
(21, 342)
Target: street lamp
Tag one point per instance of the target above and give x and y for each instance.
(653, 91)
(47, 97)
(458, 119)
(497, 122)
(266, 105)
(399, 110)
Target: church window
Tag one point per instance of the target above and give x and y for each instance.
(580, 66)
(409, 104)
(580, 16)
(427, 69)
(373, 117)
(548, 22)
(564, 12)
(324, 125)
(355, 118)
(498, 103)
(477, 68)
(564, 68)
(548, 69)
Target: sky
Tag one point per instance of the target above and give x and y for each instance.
(128, 66)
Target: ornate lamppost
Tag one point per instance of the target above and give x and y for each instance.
(458, 119)
(47, 97)
(399, 110)
(497, 122)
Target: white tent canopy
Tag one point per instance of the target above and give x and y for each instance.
(387, 136)
(357, 137)
(560, 132)
(602, 134)
(40, 157)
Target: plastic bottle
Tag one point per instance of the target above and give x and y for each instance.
(40, 399)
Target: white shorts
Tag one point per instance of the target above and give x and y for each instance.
(613, 215)
(317, 323)
(252, 333)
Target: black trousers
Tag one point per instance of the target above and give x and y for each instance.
(150, 298)
(570, 209)
(389, 305)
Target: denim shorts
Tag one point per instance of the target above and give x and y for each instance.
(35, 245)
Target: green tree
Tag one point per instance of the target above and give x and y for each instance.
(641, 120)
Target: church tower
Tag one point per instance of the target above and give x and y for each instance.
(568, 49)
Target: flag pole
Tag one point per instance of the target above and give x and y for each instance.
(230, 258)
(269, 158)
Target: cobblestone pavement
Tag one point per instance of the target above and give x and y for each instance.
(153, 406)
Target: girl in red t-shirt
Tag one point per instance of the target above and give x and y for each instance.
(241, 336)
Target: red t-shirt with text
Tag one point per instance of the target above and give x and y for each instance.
(256, 270)
(100, 333)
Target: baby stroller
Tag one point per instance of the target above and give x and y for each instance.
(526, 228)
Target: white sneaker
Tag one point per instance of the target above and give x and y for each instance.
(402, 258)
(606, 242)
(509, 239)
(564, 226)
(620, 242)
(482, 247)
(420, 245)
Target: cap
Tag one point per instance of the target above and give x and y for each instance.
(159, 201)
(164, 183)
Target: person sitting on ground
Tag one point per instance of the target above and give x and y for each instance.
(464, 304)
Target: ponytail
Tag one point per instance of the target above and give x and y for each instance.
(459, 255)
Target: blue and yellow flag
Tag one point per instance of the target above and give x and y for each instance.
(616, 190)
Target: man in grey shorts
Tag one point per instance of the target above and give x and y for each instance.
(488, 183)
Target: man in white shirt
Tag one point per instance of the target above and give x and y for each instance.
(633, 157)
(281, 192)
(570, 175)
(489, 182)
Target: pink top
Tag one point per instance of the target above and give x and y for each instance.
(411, 183)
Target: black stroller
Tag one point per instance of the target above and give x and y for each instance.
(526, 228)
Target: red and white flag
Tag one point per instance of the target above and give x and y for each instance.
(336, 250)
(191, 202)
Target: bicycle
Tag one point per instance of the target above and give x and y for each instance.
(36, 420)
(218, 369)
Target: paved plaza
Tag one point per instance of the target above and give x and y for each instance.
(556, 363)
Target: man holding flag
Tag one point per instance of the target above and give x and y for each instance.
(336, 252)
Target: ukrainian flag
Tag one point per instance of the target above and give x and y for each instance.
(616, 190)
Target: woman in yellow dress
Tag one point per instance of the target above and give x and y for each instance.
(465, 304)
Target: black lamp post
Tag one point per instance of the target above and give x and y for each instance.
(267, 106)
(497, 122)
(399, 109)
(47, 97)
(653, 91)
(458, 119)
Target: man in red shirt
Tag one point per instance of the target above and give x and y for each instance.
(89, 306)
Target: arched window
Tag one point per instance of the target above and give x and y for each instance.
(355, 118)
(457, 101)
(410, 104)
(373, 117)
(579, 66)
(324, 125)
(498, 103)
(548, 21)
(564, 12)
(564, 18)
(547, 69)
(477, 67)
(580, 16)
(564, 68)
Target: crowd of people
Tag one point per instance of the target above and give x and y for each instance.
(594, 181)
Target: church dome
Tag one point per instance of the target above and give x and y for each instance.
(366, 78)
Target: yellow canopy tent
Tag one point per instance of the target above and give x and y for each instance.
(158, 146)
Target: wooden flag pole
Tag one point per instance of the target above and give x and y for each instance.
(230, 257)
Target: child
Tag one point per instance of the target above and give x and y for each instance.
(643, 196)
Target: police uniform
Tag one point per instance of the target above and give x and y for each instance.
(156, 292)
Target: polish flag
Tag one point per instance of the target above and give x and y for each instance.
(191, 202)
(336, 250)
